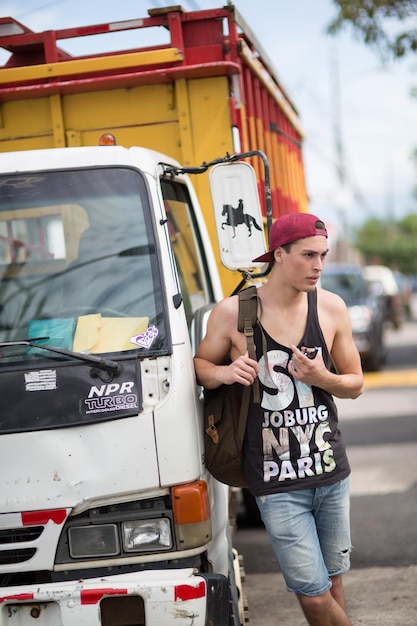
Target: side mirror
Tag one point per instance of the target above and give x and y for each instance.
(199, 325)
(237, 213)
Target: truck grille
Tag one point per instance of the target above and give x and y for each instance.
(16, 556)
(15, 536)
(18, 535)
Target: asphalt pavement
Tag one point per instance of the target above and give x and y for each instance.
(383, 596)
(374, 597)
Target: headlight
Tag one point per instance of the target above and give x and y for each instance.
(145, 535)
(93, 541)
(360, 318)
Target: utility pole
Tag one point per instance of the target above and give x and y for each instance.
(342, 194)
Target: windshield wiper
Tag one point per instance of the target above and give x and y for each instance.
(106, 364)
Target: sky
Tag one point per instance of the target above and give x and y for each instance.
(343, 92)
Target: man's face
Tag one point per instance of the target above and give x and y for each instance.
(303, 264)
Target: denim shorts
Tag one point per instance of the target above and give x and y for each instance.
(310, 534)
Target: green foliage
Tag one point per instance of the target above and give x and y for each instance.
(389, 243)
(389, 25)
(375, 22)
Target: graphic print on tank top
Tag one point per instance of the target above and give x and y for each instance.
(292, 438)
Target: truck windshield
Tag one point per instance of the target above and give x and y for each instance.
(78, 265)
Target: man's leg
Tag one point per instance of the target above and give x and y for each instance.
(292, 527)
(325, 610)
(337, 590)
(328, 609)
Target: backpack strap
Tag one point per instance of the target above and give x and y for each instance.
(248, 317)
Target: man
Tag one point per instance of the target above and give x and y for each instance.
(295, 459)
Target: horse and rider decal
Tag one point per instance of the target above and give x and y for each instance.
(236, 216)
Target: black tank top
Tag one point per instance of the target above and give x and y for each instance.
(292, 438)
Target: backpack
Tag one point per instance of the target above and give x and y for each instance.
(226, 408)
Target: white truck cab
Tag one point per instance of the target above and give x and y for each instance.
(107, 513)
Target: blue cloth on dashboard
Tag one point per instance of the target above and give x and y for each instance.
(60, 333)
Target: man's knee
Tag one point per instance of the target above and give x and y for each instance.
(315, 604)
(323, 610)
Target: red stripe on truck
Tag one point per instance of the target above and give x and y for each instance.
(188, 592)
(93, 596)
(38, 518)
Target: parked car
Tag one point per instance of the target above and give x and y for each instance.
(383, 284)
(365, 310)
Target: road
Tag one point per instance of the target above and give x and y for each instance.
(380, 430)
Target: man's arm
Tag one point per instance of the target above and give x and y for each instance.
(347, 382)
(223, 340)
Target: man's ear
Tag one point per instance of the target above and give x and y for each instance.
(278, 255)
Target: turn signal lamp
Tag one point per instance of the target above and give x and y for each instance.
(191, 510)
(107, 139)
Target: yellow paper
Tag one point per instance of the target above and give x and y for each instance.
(95, 333)
(86, 332)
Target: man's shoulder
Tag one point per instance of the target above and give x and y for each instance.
(228, 303)
(329, 300)
(226, 308)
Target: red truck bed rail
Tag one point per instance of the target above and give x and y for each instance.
(199, 44)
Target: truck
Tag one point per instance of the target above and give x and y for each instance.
(108, 515)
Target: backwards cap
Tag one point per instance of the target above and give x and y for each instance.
(289, 228)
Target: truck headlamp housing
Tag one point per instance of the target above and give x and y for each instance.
(177, 521)
(102, 540)
(93, 541)
(147, 534)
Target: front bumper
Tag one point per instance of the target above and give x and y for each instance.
(151, 598)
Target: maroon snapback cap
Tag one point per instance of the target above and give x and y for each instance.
(292, 227)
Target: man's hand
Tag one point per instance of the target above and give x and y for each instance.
(243, 370)
(307, 365)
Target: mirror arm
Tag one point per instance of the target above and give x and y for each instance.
(248, 276)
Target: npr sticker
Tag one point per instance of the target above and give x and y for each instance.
(44, 380)
(146, 339)
(111, 397)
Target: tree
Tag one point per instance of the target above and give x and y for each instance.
(388, 25)
(389, 243)
(375, 22)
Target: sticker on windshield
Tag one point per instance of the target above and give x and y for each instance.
(43, 380)
(146, 339)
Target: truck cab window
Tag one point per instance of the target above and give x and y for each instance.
(192, 271)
